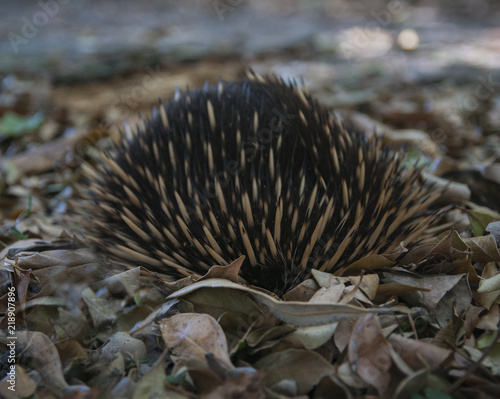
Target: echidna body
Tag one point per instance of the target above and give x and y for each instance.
(255, 168)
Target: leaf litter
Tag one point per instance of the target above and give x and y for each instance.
(375, 331)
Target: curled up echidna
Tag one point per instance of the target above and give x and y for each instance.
(255, 168)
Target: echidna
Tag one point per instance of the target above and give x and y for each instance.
(255, 168)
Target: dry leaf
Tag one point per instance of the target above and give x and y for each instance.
(489, 285)
(302, 292)
(191, 337)
(42, 158)
(152, 384)
(487, 299)
(304, 368)
(24, 386)
(418, 354)
(490, 320)
(102, 311)
(296, 313)
(343, 333)
(369, 353)
(369, 284)
(127, 281)
(389, 290)
(122, 343)
(229, 272)
(42, 355)
(332, 294)
(367, 263)
(484, 248)
(244, 385)
(443, 293)
(311, 337)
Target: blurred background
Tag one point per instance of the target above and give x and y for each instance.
(83, 40)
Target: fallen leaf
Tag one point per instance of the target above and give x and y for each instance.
(24, 385)
(127, 281)
(369, 353)
(43, 157)
(389, 290)
(41, 354)
(123, 343)
(489, 285)
(259, 336)
(332, 294)
(303, 367)
(490, 320)
(442, 294)
(296, 313)
(244, 385)
(229, 272)
(102, 311)
(479, 220)
(418, 354)
(484, 248)
(490, 296)
(302, 292)
(368, 283)
(191, 337)
(311, 337)
(367, 263)
(152, 384)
